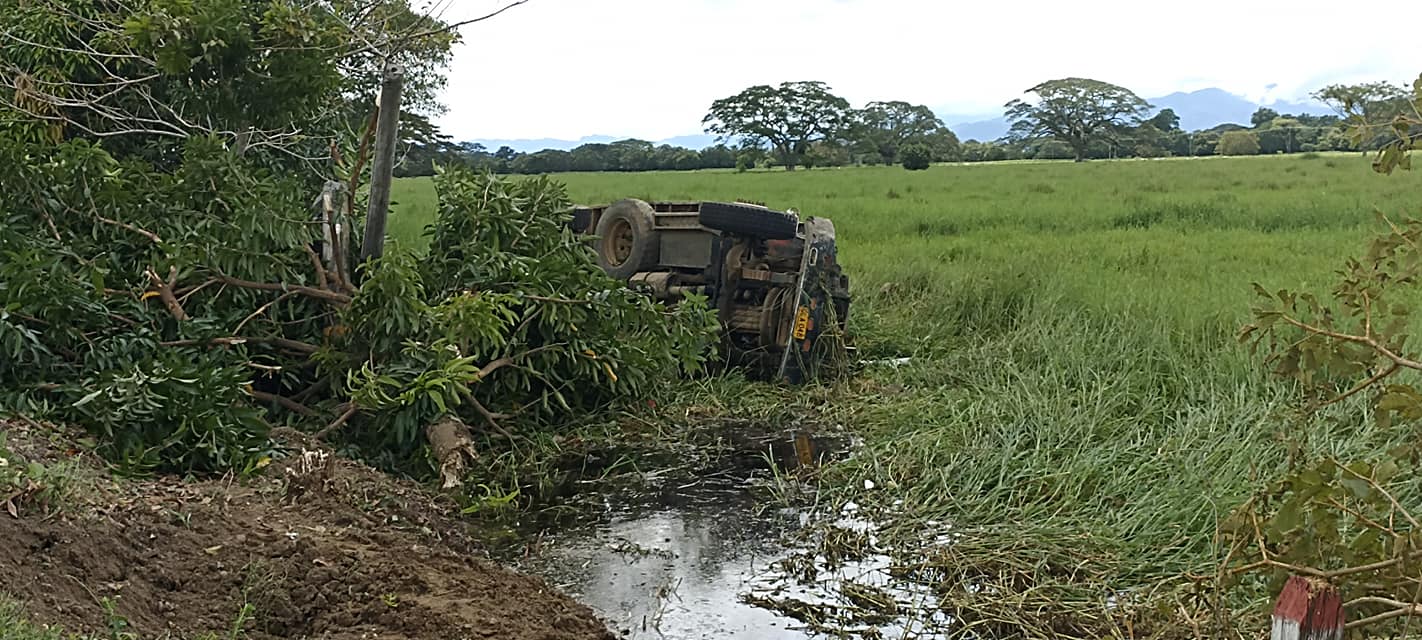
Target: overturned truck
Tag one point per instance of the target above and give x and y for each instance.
(772, 276)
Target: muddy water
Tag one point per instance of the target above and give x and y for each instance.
(710, 557)
(674, 568)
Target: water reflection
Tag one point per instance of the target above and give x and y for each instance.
(673, 571)
(669, 557)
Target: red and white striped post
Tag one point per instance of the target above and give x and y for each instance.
(1308, 609)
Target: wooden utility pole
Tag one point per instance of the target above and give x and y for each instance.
(1307, 609)
(382, 169)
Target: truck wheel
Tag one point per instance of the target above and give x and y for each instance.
(748, 220)
(627, 240)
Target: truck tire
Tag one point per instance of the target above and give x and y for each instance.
(748, 220)
(627, 239)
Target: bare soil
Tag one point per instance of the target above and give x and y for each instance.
(318, 546)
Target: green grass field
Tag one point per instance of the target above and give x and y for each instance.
(1076, 398)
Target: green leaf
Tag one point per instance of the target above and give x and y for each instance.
(1385, 471)
(1366, 547)
(1287, 519)
(88, 398)
(1355, 482)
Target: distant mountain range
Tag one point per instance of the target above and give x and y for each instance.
(1200, 109)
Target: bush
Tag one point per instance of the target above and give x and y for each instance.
(1238, 143)
(509, 314)
(916, 157)
(85, 325)
(174, 412)
(1054, 150)
(1151, 151)
(162, 281)
(175, 314)
(825, 154)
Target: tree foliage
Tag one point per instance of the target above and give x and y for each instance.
(509, 317)
(165, 283)
(787, 118)
(509, 313)
(265, 75)
(916, 156)
(1077, 111)
(1238, 143)
(1166, 120)
(885, 127)
(1262, 117)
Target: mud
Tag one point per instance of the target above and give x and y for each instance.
(316, 547)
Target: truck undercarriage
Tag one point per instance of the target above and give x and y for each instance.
(773, 277)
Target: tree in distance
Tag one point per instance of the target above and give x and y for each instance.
(916, 156)
(885, 127)
(1262, 117)
(1369, 108)
(788, 118)
(1077, 111)
(1238, 143)
(1165, 121)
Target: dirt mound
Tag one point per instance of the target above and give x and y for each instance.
(315, 547)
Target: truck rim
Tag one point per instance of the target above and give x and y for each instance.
(617, 245)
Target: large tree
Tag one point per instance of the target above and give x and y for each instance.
(1076, 111)
(1370, 108)
(885, 127)
(788, 118)
(1165, 121)
(1262, 117)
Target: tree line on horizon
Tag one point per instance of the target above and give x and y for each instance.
(804, 125)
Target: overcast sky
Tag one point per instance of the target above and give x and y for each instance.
(650, 68)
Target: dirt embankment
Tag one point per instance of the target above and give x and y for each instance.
(316, 547)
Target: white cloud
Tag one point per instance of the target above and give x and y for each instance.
(650, 68)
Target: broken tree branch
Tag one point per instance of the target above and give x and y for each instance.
(1399, 609)
(364, 151)
(286, 403)
(316, 387)
(143, 232)
(489, 417)
(495, 365)
(321, 280)
(336, 424)
(165, 292)
(452, 445)
(322, 294)
(261, 310)
(230, 341)
(1364, 340)
(455, 25)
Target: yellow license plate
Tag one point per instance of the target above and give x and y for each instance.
(802, 322)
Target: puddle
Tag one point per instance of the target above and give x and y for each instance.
(675, 570)
(702, 558)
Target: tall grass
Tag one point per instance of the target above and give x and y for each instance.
(1076, 405)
